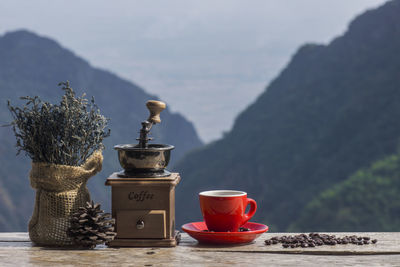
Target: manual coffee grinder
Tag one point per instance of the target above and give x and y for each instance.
(143, 194)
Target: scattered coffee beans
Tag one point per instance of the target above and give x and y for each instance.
(241, 229)
(314, 239)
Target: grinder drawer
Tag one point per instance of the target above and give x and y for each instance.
(141, 224)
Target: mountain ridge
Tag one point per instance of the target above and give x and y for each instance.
(314, 125)
(34, 65)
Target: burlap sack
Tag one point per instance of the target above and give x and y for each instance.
(60, 191)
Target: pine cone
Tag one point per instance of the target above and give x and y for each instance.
(90, 226)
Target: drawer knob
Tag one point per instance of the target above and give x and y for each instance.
(140, 224)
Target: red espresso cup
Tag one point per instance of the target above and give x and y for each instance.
(224, 210)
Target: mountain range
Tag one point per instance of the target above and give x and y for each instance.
(34, 65)
(332, 111)
(318, 150)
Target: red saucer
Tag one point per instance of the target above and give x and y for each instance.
(197, 230)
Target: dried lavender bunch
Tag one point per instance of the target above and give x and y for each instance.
(66, 134)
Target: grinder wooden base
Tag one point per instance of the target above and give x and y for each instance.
(144, 210)
(134, 242)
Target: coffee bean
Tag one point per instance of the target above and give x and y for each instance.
(315, 239)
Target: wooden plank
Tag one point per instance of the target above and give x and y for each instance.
(14, 237)
(174, 257)
(16, 250)
(388, 243)
(180, 256)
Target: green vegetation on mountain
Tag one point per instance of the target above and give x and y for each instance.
(332, 111)
(32, 65)
(368, 200)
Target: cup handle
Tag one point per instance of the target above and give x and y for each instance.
(253, 208)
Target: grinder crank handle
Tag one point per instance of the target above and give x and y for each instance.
(155, 107)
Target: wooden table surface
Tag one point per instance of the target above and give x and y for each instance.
(17, 250)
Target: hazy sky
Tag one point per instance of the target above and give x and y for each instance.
(207, 59)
